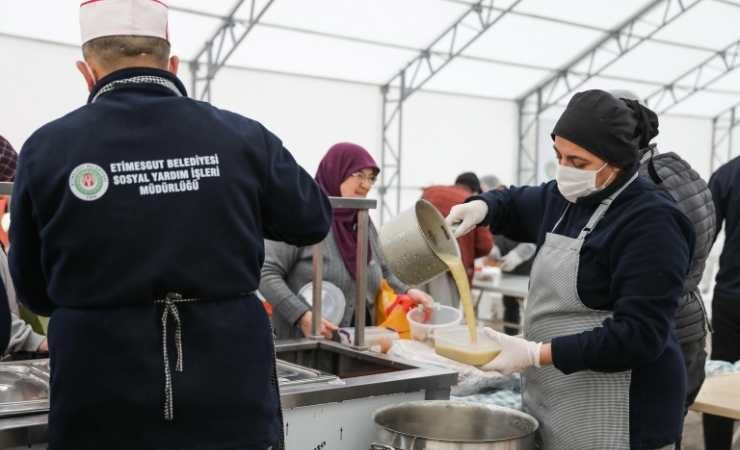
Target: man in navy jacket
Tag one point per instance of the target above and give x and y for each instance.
(725, 186)
(138, 225)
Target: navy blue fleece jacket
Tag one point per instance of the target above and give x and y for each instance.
(142, 192)
(725, 186)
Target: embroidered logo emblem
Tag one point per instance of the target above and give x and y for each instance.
(88, 182)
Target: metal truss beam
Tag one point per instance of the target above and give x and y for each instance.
(224, 42)
(480, 17)
(590, 27)
(528, 157)
(395, 46)
(590, 63)
(723, 128)
(544, 18)
(697, 79)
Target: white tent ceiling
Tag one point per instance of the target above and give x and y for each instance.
(369, 41)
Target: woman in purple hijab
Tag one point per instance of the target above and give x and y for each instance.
(347, 170)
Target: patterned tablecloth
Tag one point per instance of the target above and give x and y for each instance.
(719, 367)
(512, 398)
(503, 397)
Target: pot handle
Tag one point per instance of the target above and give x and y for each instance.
(376, 446)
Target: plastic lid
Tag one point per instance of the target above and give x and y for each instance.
(441, 315)
(333, 302)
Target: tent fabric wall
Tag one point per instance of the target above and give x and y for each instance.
(443, 134)
(690, 138)
(38, 83)
(309, 115)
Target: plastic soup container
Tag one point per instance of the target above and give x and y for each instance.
(454, 343)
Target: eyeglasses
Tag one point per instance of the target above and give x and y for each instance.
(370, 180)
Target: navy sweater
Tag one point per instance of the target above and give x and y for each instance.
(633, 264)
(192, 193)
(131, 248)
(725, 186)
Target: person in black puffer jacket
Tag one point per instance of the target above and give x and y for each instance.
(694, 198)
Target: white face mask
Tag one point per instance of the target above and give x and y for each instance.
(576, 183)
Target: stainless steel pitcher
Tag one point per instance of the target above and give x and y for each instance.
(412, 241)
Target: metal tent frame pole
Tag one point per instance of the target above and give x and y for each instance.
(723, 128)
(391, 148)
(528, 158)
(480, 17)
(696, 79)
(477, 58)
(590, 63)
(222, 45)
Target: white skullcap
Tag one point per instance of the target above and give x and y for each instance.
(99, 18)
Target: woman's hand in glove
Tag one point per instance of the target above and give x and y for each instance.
(465, 217)
(516, 355)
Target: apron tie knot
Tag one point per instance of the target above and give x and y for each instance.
(170, 309)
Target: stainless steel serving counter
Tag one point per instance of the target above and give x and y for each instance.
(360, 374)
(312, 373)
(24, 400)
(337, 415)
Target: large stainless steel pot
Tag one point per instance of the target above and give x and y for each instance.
(450, 425)
(412, 241)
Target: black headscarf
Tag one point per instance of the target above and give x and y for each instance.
(613, 129)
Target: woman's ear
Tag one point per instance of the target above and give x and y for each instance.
(614, 172)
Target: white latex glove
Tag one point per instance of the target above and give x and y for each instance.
(516, 354)
(495, 253)
(511, 261)
(467, 215)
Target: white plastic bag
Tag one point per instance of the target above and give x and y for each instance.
(470, 378)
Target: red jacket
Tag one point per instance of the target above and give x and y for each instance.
(472, 245)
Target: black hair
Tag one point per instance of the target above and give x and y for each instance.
(469, 180)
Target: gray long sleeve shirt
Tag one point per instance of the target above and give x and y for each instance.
(22, 336)
(288, 268)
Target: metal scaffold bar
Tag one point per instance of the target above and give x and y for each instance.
(449, 45)
(697, 79)
(723, 128)
(588, 64)
(222, 45)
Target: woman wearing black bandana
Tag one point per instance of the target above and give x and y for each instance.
(601, 365)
